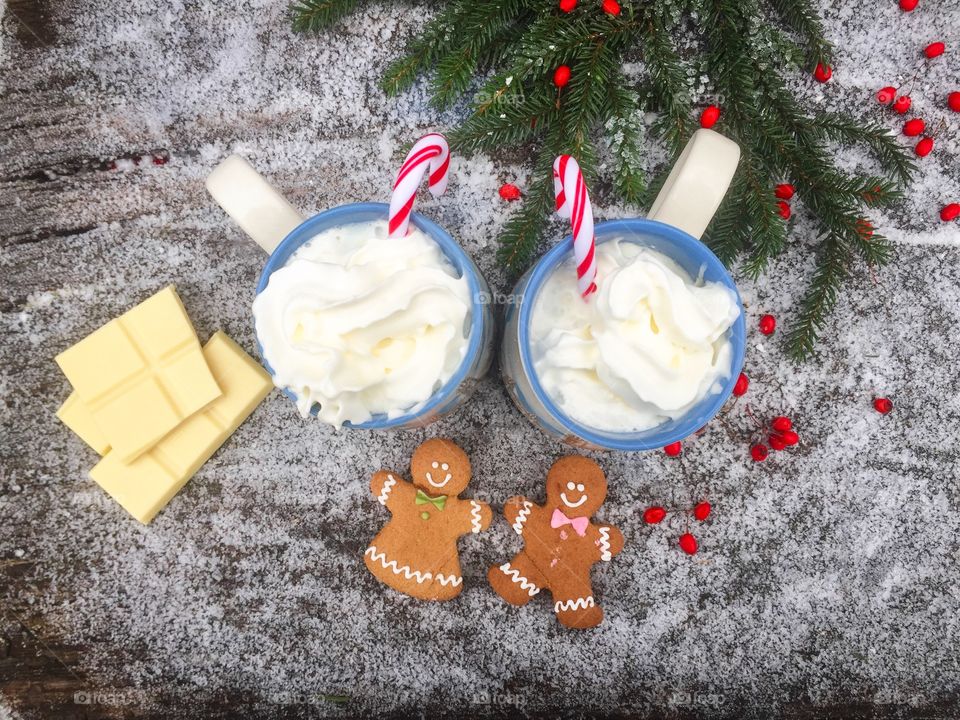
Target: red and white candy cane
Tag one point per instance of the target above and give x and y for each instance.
(573, 202)
(429, 150)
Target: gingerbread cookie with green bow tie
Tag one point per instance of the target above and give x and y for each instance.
(416, 551)
(561, 544)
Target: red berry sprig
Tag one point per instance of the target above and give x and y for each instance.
(823, 73)
(561, 76)
(759, 452)
(654, 515)
(934, 49)
(673, 449)
(784, 209)
(568, 6)
(510, 192)
(924, 147)
(783, 191)
(912, 128)
(688, 543)
(611, 7)
(882, 405)
(709, 116)
(886, 95)
(908, 5)
(767, 324)
(950, 212)
(953, 101)
(740, 387)
(701, 510)
(902, 104)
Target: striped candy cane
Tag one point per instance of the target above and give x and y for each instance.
(573, 202)
(431, 149)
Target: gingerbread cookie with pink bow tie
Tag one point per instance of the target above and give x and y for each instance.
(561, 544)
(416, 551)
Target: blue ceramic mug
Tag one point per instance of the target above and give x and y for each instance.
(681, 213)
(278, 228)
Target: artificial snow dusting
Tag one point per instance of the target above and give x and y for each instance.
(827, 575)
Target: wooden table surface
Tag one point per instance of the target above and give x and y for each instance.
(827, 580)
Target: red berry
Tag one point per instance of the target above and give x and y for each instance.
(568, 5)
(784, 210)
(882, 405)
(934, 49)
(653, 515)
(767, 324)
(912, 128)
(950, 212)
(702, 510)
(953, 101)
(759, 452)
(709, 116)
(561, 76)
(924, 147)
(611, 7)
(673, 449)
(783, 191)
(740, 387)
(781, 423)
(902, 104)
(790, 437)
(777, 442)
(688, 543)
(823, 72)
(509, 192)
(908, 5)
(886, 94)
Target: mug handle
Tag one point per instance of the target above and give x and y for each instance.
(253, 203)
(697, 183)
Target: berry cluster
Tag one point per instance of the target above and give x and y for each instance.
(655, 514)
(781, 436)
(900, 101)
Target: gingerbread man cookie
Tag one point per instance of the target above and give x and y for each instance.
(416, 552)
(560, 543)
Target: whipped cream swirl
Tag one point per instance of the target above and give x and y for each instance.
(647, 347)
(359, 324)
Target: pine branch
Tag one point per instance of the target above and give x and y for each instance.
(844, 129)
(522, 233)
(316, 15)
(731, 48)
(626, 137)
(820, 299)
(802, 18)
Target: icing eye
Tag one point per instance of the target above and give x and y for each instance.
(580, 487)
(444, 467)
(435, 465)
(571, 486)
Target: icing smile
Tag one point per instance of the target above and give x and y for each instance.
(443, 467)
(573, 486)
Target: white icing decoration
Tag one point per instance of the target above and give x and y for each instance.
(387, 487)
(475, 519)
(605, 544)
(522, 517)
(515, 575)
(578, 503)
(578, 604)
(438, 484)
(445, 580)
(404, 570)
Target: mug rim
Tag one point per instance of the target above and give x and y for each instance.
(457, 257)
(634, 440)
